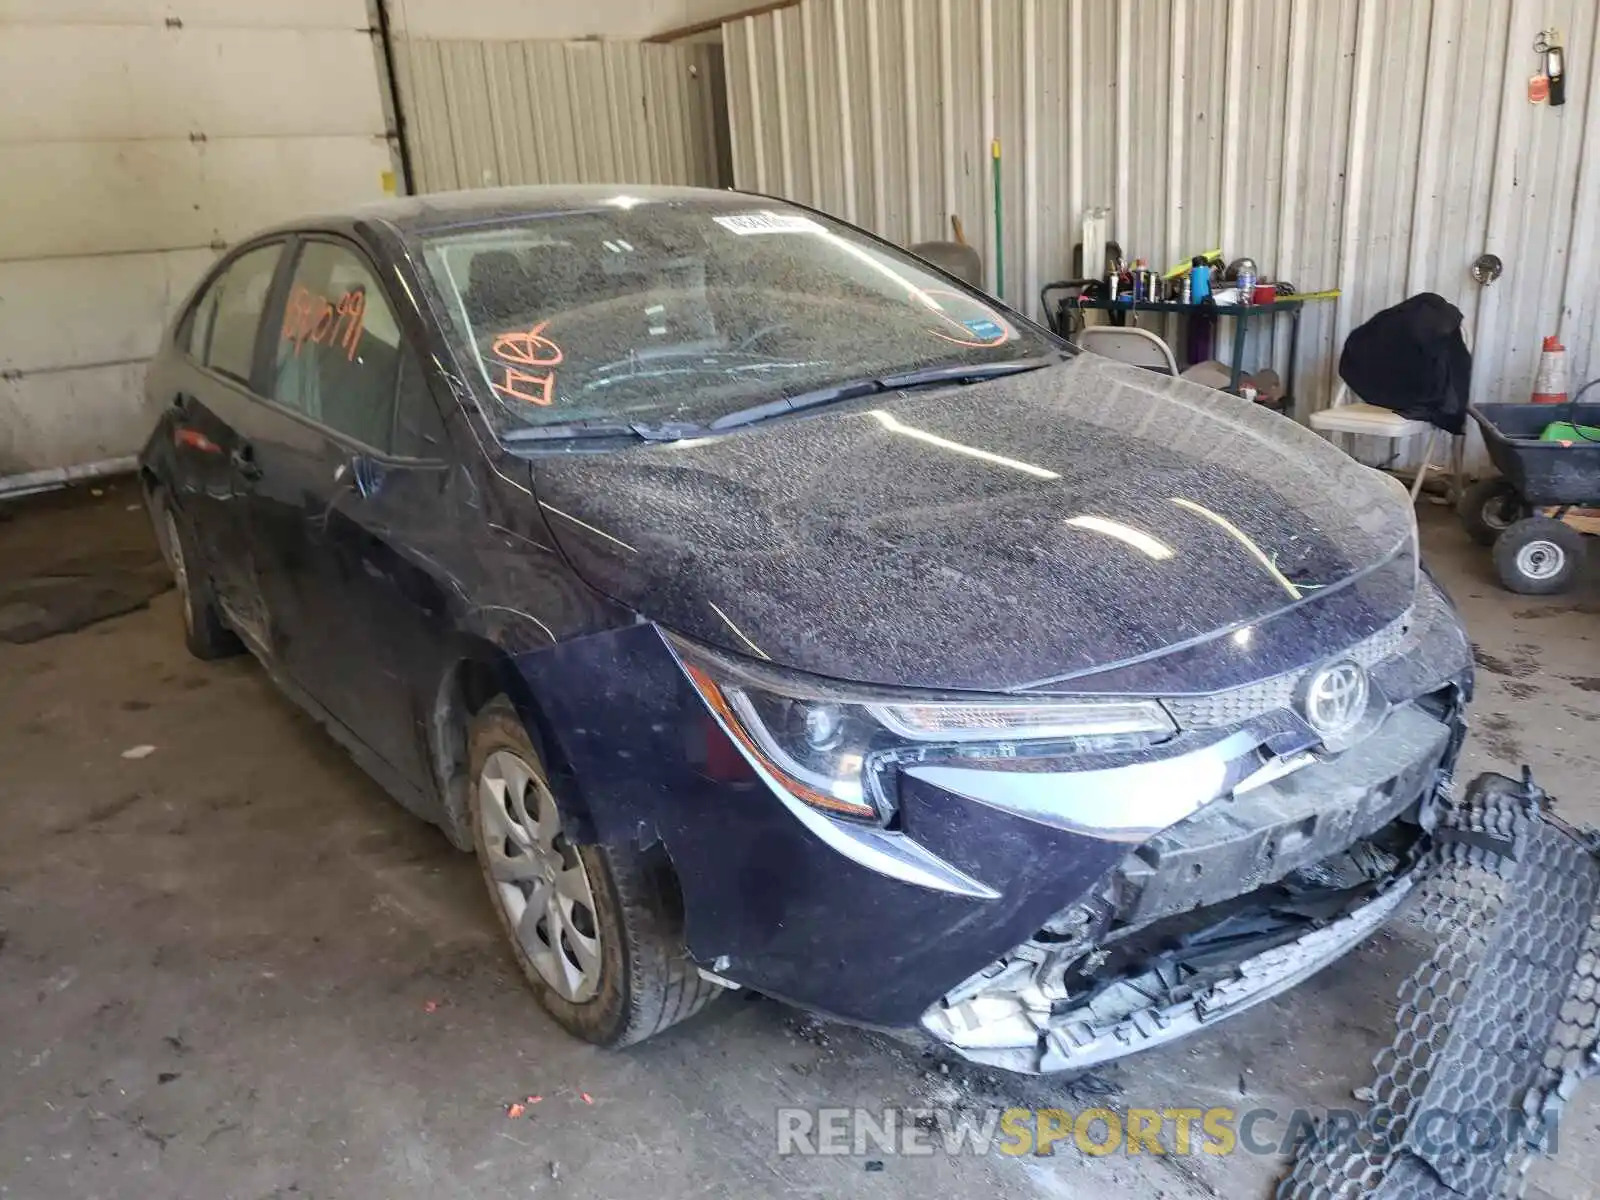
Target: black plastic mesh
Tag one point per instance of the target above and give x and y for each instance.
(1502, 1019)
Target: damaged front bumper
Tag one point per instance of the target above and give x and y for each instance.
(1024, 1032)
(1239, 902)
(1243, 898)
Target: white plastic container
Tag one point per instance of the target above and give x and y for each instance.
(1096, 230)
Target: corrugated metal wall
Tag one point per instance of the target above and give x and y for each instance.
(492, 113)
(1377, 146)
(546, 19)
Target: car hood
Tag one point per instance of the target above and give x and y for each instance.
(1034, 531)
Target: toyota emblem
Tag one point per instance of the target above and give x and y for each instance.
(1335, 698)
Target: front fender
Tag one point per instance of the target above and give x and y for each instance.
(609, 708)
(768, 902)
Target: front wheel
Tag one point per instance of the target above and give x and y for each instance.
(1489, 507)
(597, 930)
(1538, 556)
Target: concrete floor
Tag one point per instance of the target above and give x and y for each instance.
(233, 968)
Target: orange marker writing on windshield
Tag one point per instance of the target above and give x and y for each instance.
(527, 348)
(530, 348)
(520, 385)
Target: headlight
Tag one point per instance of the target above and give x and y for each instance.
(826, 744)
(955, 721)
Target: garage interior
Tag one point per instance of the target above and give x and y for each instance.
(231, 966)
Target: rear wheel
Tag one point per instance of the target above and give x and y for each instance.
(597, 930)
(204, 631)
(1489, 507)
(1538, 556)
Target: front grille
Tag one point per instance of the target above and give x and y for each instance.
(1221, 709)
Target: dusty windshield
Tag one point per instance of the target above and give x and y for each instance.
(685, 312)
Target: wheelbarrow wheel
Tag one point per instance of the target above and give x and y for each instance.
(1538, 556)
(1489, 507)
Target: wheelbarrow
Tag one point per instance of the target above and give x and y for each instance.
(1521, 511)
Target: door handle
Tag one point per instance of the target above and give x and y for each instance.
(243, 459)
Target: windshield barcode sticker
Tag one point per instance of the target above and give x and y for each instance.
(767, 222)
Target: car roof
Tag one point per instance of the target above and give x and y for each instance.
(446, 210)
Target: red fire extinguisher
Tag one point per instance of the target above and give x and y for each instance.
(1548, 46)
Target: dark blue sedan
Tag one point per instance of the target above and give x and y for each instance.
(766, 608)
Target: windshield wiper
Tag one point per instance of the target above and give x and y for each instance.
(667, 431)
(772, 408)
(967, 373)
(672, 431)
(855, 388)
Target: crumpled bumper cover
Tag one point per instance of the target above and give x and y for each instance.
(1031, 1010)
(1077, 1040)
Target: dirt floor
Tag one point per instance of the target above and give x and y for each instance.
(234, 968)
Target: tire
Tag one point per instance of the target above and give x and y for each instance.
(638, 979)
(1489, 507)
(205, 632)
(1538, 556)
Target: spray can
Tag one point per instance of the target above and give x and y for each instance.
(1247, 287)
(1188, 289)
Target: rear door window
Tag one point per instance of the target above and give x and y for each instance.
(337, 356)
(228, 316)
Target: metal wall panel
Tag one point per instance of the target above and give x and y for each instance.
(145, 82)
(208, 14)
(120, 304)
(148, 196)
(494, 113)
(514, 19)
(1377, 146)
(138, 138)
